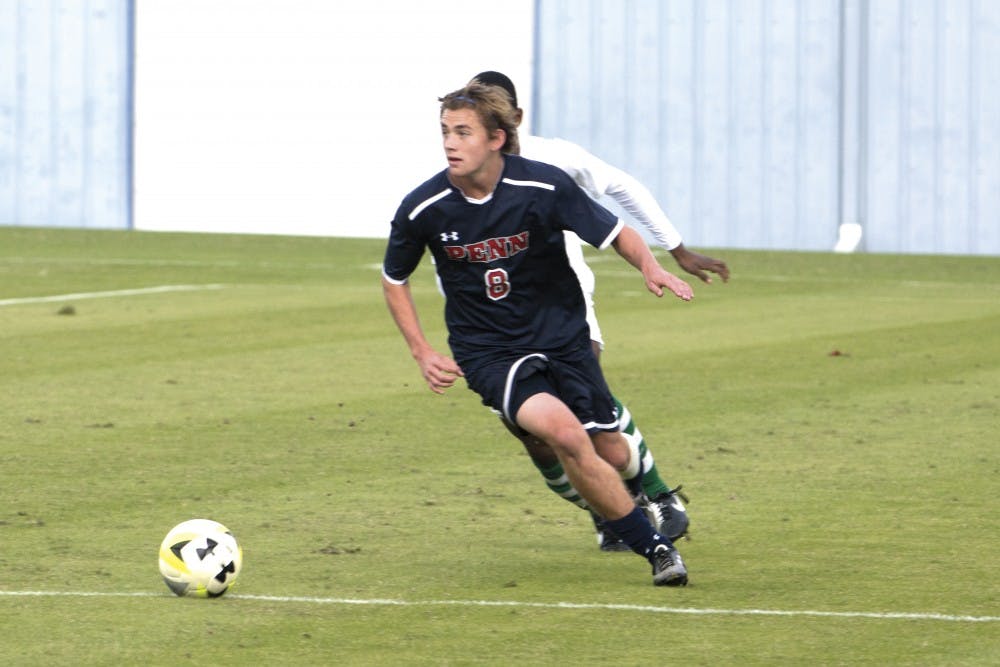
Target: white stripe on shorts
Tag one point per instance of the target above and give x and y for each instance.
(509, 387)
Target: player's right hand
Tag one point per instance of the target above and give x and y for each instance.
(439, 371)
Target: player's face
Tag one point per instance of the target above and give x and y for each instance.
(467, 145)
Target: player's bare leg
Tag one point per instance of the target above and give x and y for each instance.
(636, 467)
(595, 479)
(599, 483)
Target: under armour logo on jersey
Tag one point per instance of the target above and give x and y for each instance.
(449, 236)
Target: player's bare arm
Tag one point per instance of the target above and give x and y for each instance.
(438, 370)
(633, 248)
(697, 264)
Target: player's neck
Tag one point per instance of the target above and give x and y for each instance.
(481, 182)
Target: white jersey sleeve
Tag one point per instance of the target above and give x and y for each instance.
(598, 178)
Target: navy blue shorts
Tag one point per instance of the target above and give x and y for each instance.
(576, 379)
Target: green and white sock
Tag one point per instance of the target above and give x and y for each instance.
(652, 484)
(558, 483)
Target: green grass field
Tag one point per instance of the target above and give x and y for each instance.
(834, 420)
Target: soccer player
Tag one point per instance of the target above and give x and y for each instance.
(597, 178)
(515, 314)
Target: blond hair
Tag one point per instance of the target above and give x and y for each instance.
(492, 105)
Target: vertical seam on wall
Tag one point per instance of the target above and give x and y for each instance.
(662, 120)
(972, 204)
(698, 100)
(800, 126)
(130, 115)
(53, 113)
(765, 158)
(628, 134)
(902, 168)
(20, 80)
(733, 124)
(86, 118)
(841, 108)
(862, 167)
(938, 134)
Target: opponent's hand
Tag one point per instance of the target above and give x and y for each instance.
(439, 371)
(697, 264)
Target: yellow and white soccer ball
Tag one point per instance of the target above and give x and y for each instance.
(200, 558)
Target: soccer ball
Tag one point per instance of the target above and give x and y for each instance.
(200, 558)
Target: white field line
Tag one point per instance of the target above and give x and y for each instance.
(110, 293)
(694, 611)
(114, 261)
(217, 264)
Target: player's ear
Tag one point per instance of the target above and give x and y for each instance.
(498, 140)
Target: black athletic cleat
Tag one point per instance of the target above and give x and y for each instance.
(607, 540)
(667, 514)
(668, 568)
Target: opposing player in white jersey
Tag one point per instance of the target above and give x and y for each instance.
(599, 179)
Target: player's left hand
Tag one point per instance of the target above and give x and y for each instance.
(658, 278)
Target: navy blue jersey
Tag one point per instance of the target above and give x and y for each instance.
(502, 261)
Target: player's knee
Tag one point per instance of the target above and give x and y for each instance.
(569, 441)
(539, 452)
(613, 448)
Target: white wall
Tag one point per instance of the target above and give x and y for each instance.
(771, 124)
(65, 111)
(304, 116)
